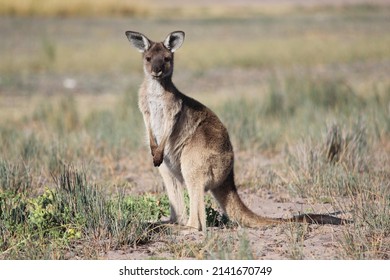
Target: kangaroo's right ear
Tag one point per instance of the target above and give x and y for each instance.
(138, 40)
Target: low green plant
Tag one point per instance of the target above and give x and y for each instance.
(74, 211)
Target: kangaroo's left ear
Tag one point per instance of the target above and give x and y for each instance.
(174, 40)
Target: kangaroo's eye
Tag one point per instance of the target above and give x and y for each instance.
(148, 58)
(167, 59)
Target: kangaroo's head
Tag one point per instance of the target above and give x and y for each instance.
(158, 57)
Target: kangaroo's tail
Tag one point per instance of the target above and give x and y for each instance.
(322, 219)
(228, 198)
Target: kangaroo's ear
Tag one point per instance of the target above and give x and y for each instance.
(174, 40)
(138, 40)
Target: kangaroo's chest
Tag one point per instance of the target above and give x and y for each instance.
(163, 108)
(157, 116)
(158, 107)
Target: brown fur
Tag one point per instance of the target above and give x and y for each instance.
(189, 144)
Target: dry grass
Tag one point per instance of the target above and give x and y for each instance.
(71, 8)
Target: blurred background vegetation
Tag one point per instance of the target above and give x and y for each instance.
(306, 82)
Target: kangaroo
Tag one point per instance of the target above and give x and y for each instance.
(190, 145)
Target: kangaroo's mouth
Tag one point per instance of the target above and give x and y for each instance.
(157, 75)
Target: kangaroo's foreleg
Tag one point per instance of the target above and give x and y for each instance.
(157, 150)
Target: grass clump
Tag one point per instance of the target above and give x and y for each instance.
(333, 167)
(370, 235)
(61, 116)
(292, 95)
(14, 178)
(51, 224)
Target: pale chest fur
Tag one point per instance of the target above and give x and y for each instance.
(162, 108)
(156, 105)
(157, 123)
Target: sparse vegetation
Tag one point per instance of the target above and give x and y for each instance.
(307, 90)
(71, 8)
(55, 223)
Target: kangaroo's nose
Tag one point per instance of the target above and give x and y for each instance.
(157, 70)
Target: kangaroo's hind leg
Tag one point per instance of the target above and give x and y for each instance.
(197, 219)
(197, 180)
(175, 191)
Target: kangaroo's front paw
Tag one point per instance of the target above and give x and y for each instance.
(153, 149)
(158, 157)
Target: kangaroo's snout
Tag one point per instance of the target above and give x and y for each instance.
(157, 68)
